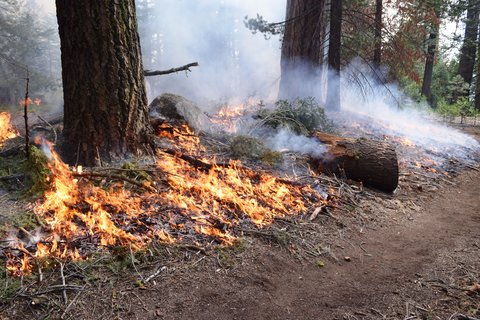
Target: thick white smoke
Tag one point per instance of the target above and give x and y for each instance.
(233, 61)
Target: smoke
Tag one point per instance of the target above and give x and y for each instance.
(285, 140)
(383, 109)
(233, 61)
(235, 65)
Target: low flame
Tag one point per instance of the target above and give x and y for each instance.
(6, 129)
(228, 116)
(195, 205)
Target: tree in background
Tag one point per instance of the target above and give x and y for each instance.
(26, 41)
(469, 46)
(334, 54)
(377, 54)
(302, 46)
(105, 112)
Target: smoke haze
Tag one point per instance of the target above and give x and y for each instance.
(235, 64)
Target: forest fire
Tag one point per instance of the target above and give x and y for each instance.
(196, 205)
(6, 129)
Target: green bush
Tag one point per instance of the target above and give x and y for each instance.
(300, 116)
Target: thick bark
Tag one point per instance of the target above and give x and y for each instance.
(468, 52)
(477, 88)
(377, 53)
(302, 47)
(334, 55)
(374, 163)
(428, 71)
(105, 112)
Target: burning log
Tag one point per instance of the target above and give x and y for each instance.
(374, 163)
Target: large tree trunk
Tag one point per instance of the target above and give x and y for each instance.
(106, 114)
(302, 47)
(477, 88)
(377, 53)
(374, 163)
(468, 52)
(334, 55)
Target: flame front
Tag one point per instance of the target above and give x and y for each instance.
(192, 205)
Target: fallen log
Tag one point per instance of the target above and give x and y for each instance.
(374, 163)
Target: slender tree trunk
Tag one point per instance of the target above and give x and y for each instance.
(106, 112)
(302, 48)
(377, 54)
(334, 55)
(428, 72)
(477, 87)
(468, 52)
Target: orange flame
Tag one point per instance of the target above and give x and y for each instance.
(193, 205)
(6, 129)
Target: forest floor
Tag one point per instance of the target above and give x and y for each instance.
(411, 255)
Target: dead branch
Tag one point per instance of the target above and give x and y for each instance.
(148, 73)
(114, 176)
(25, 116)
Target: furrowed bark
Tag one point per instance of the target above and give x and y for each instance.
(106, 114)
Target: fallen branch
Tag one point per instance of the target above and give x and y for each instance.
(148, 73)
(114, 176)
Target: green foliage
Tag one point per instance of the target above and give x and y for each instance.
(8, 286)
(463, 107)
(27, 220)
(447, 110)
(272, 158)
(135, 172)
(37, 169)
(300, 116)
(457, 88)
(247, 147)
(261, 25)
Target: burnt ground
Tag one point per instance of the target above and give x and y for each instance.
(411, 255)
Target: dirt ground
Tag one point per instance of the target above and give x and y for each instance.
(411, 255)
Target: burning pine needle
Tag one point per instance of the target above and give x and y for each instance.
(192, 206)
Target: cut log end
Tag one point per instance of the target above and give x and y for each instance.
(374, 163)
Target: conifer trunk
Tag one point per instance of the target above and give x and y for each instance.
(302, 47)
(105, 111)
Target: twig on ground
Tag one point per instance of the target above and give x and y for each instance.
(64, 292)
(114, 176)
(71, 303)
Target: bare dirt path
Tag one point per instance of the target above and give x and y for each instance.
(393, 270)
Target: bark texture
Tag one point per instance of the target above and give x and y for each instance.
(374, 163)
(428, 71)
(477, 87)
(468, 52)
(377, 53)
(105, 112)
(334, 54)
(302, 47)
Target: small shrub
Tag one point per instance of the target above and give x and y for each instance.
(247, 147)
(300, 116)
(36, 167)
